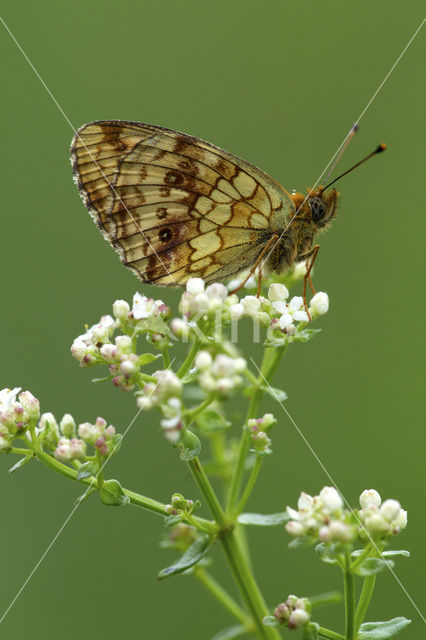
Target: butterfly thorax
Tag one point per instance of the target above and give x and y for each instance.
(309, 215)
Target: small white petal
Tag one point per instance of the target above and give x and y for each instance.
(296, 303)
(286, 320)
(280, 306)
(301, 316)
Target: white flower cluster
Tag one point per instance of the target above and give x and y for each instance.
(199, 301)
(294, 612)
(86, 347)
(15, 416)
(381, 519)
(180, 505)
(278, 313)
(221, 374)
(165, 394)
(68, 446)
(96, 346)
(324, 518)
(321, 517)
(258, 428)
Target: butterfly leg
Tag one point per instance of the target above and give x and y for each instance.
(307, 277)
(257, 264)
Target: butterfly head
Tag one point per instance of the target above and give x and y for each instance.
(322, 206)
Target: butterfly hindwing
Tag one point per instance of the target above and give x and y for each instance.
(173, 206)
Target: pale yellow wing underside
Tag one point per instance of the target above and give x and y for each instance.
(173, 206)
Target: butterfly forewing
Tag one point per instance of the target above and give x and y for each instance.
(174, 206)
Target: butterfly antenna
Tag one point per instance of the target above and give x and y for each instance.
(349, 137)
(379, 149)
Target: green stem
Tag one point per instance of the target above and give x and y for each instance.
(271, 359)
(349, 599)
(166, 358)
(189, 358)
(330, 635)
(206, 489)
(364, 601)
(135, 498)
(249, 486)
(18, 451)
(193, 413)
(238, 563)
(362, 556)
(221, 595)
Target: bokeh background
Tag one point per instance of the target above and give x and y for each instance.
(278, 83)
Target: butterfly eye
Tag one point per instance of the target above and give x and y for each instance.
(317, 209)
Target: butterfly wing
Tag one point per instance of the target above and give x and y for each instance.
(174, 206)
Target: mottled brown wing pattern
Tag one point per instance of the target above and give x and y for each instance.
(173, 206)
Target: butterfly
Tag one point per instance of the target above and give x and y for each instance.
(176, 207)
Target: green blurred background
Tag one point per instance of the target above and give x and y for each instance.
(278, 83)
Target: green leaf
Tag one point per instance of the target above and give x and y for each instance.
(195, 552)
(371, 566)
(155, 324)
(112, 494)
(325, 553)
(396, 552)
(147, 358)
(21, 463)
(277, 394)
(310, 631)
(300, 543)
(325, 599)
(382, 630)
(271, 621)
(87, 469)
(211, 421)
(230, 633)
(305, 335)
(171, 521)
(106, 379)
(190, 445)
(263, 520)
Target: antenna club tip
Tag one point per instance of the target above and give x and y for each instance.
(355, 127)
(381, 147)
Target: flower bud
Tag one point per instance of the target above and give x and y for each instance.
(120, 309)
(195, 285)
(298, 618)
(77, 448)
(390, 510)
(124, 343)
(282, 612)
(89, 432)
(179, 328)
(331, 499)
(67, 425)
(370, 497)
(295, 528)
(236, 311)
(319, 304)
(30, 404)
(203, 360)
(277, 291)
(109, 352)
(63, 450)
